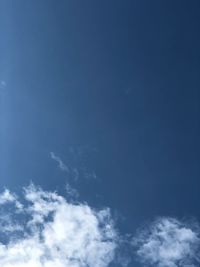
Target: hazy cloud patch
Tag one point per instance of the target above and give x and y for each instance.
(72, 193)
(168, 242)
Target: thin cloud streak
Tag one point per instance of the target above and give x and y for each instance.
(62, 166)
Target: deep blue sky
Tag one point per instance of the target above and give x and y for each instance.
(111, 87)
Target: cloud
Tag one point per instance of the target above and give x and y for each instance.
(54, 232)
(7, 225)
(61, 164)
(78, 163)
(7, 197)
(80, 156)
(168, 242)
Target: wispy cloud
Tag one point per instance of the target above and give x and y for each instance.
(72, 170)
(71, 192)
(56, 232)
(7, 197)
(168, 242)
(80, 156)
(61, 164)
(7, 226)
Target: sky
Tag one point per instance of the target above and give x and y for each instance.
(99, 119)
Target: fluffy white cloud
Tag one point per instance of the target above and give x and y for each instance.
(49, 232)
(6, 197)
(168, 242)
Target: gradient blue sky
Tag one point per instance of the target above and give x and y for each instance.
(110, 87)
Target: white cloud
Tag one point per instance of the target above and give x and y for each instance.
(7, 197)
(61, 164)
(55, 232)
(168, 242)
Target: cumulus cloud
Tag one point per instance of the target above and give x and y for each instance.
(61, 164)
(6, 197)
(168, 242)
(54, 232)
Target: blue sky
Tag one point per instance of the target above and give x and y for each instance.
(104, 96)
